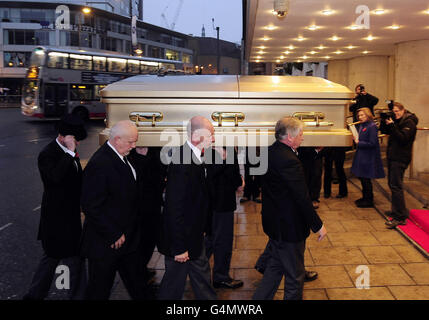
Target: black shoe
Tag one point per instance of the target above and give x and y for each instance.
(339, 196)
(359, 201)
(365, 204)
(244, 199)
(388, 213)
(310, 276)
(231, 284)
(392, 224)
(260, 270)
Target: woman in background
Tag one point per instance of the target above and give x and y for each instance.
(367, 163)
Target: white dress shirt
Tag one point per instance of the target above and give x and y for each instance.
(122, 158)
(195, 150)
(73, 154)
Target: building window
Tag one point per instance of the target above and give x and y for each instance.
(29, 37)
(172, 55)
(16, 59)
(156, 52)
(186, 58)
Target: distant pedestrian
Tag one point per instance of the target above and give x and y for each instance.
(60, 221)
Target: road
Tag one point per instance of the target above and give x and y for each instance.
(21, 140)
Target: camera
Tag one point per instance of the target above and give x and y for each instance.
(390, 104)
(386, 114)
(281, 8)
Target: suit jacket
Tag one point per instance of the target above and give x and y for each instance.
(225, 179)
(287, 210)
(187, 206)
(60, 223)
(110, 204)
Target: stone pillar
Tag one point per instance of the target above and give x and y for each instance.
(411, 89)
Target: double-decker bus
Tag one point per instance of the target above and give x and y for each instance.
(69, 81)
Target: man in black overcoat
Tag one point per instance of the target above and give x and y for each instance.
(110, 203)
(60, 221)
(287, 214)
(186, 217)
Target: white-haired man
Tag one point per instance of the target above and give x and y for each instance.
(287, 214)
(110, 204)
(186, 217)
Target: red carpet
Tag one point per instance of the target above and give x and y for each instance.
(417, 228)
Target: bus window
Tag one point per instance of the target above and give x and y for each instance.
(149, 67)
(97, 89)
(133, 66)
(99, 63)
(58, 60)
(80, 92)
(117, 65)
(80, 62)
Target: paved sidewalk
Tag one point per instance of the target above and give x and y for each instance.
(355, 237)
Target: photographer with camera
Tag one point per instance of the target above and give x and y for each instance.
(363, 100)
(401, 126)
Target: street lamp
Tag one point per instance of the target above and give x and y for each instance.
(218, 47)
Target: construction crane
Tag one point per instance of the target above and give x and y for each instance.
(176, 15)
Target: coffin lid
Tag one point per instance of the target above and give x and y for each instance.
(227, 86)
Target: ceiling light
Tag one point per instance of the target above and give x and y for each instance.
(261, 52)
(350, 47)
(291, 47)
(369, 38)
(304, 57)
(327, 12)
(313, 52)
(258, 57)
(313, 27)
(379, 11)
(338, 52)
(365, 52)
(426, 11)
(271, 27)
(300, 38)
(354, 27)
(277, 61)
(286, 52)
(265, 38)
(334, 38)
(282, 57)
(257, 61)
(327, 57)
(262, 47)
(394, 27)
(321, 47)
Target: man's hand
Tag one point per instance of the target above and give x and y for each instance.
(70, 142)
(389, 121)
(357, 140)
(182, 257)
(118, 243)
(243, 184)
(322, 233)
(142, 150)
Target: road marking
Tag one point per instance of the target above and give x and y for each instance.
(37, 140)
(2, 145)
(5, 226)
(37, 208)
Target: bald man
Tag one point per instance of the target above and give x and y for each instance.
(186, 217)
(110, 204)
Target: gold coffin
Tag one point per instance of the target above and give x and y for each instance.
(243, 109)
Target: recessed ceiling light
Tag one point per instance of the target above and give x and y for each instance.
(257, 61)
(327, 57)
(334, 38)
(286, 52)
(270, 27)
(304, 57)
(277, 61)
(379, 11)
(321, 47)
(262, 47)
(394, 27)
(313, 27)
(354, 27)
(313, 52)
(426, 11)
(265, 38)
(300, 38)
(338, 52)
(350, 47)
(282, 57)
(369, 38)
(258, 57)
(327, 12)
(365, 52)
(261, 52)
(291, 47)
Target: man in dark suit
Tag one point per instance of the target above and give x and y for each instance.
(186, 217)
(287, 214)
(60, 221)
(226, 179)
(110, 204)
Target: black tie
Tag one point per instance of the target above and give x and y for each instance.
(128, 165)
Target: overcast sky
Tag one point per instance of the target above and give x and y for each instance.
(195, 13)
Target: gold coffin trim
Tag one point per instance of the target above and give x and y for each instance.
(146, 116)
(235, 117)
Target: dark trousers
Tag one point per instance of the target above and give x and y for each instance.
(263, 259)
(148, 237)
(45, 273)
(252, 187)
(219, 243)
(174, 280)
(102, 274)
(367, 189)
(313, 177)
(287, 259)
(396, 172)
(335, 155)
